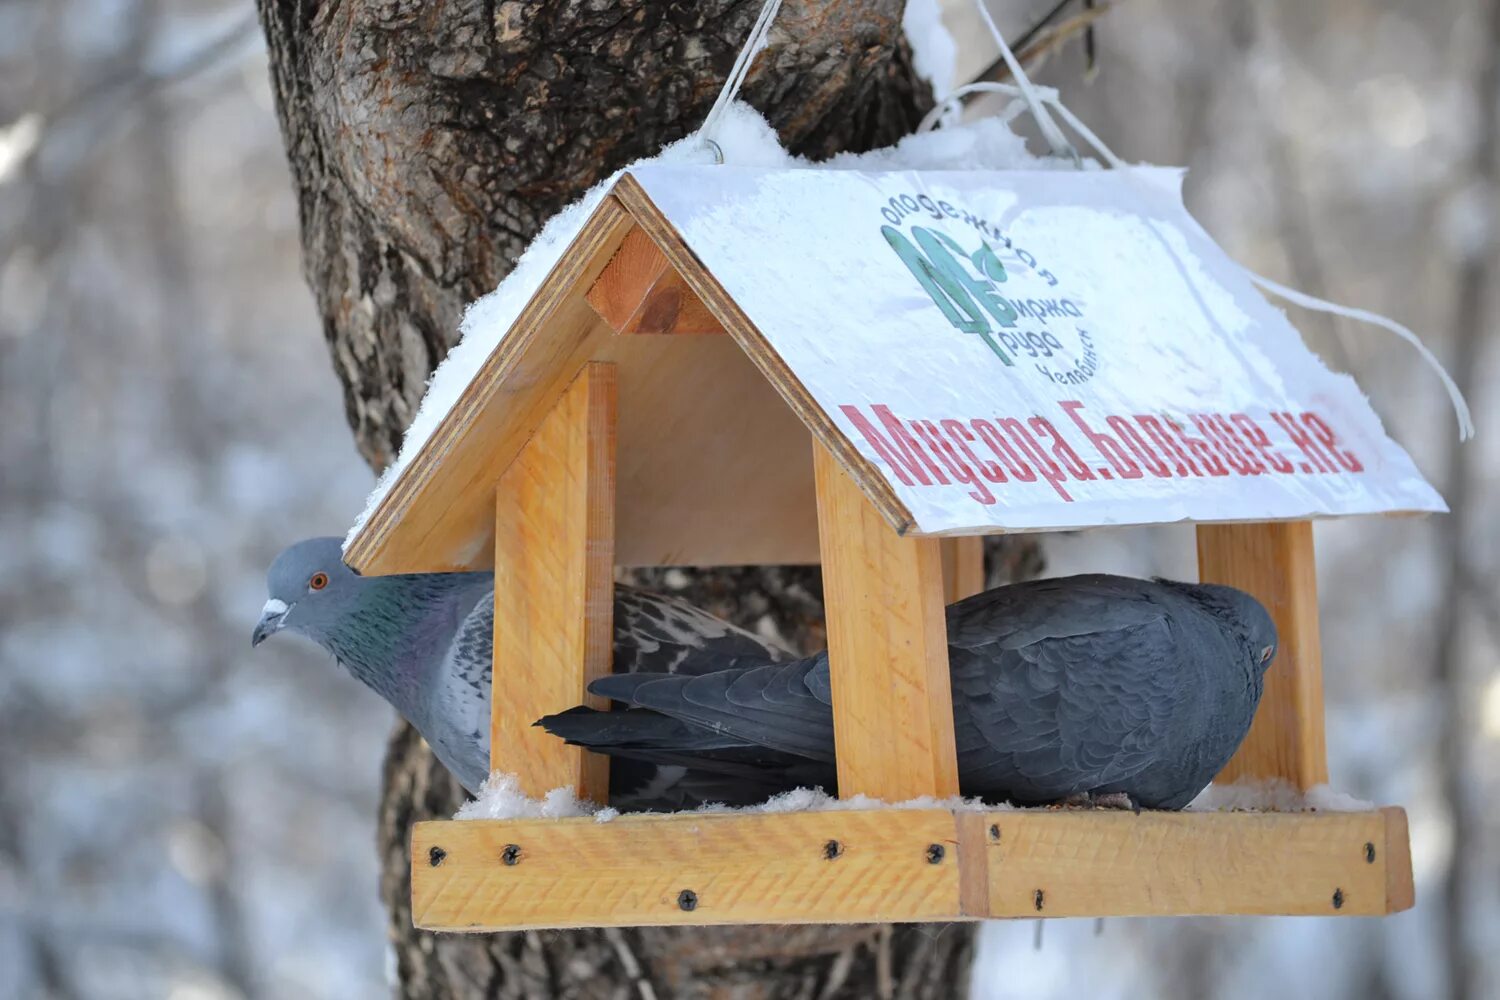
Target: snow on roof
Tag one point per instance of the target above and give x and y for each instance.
(747, 140)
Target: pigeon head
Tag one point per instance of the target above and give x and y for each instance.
(1247, 616)
(311, 591)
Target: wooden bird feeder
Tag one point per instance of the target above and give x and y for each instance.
(732, 367)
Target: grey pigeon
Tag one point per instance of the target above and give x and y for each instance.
(1090, 687)
(422, 642)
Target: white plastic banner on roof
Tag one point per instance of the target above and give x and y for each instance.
(1029, 350)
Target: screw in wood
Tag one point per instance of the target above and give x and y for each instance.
(512, 854)
(687, 900)
(1338, 899)
(1369, 854)
(995, 832)
(1037, 898)
(435, 856)
(832, 849)
(935, 854)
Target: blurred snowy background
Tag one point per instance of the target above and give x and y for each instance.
(179, 819)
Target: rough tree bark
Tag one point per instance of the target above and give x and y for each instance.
(428, 141)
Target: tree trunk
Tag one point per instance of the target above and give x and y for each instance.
(428, 141)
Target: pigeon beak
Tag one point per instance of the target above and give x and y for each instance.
(271, 618)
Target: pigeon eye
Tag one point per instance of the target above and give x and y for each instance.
(1265, 654)
(318, 581)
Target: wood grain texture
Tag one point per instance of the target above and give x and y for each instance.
(738, 325)
(1105, 864)
(738, 868)
(554, 587)
(687, 405)
(963, 567)
(1274, 562)
(640, 292)
(713, 469)
(974, 832)
(1395, 858)
(877, 865)
(887, 647)
(438, 515)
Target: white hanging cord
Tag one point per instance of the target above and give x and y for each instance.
(1306, 301)
(1460, 405)
(737, 74)
(935, 116)
(1050, 131)
(1086, 133)
(1050, 97)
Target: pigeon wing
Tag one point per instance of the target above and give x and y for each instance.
(652, 634)
(772, 706)
(1082, 700)
(664, 635)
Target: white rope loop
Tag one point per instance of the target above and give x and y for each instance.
(935, 117)
(1455, 396)
(1047, 97)
(737, 74)
(1054, 136)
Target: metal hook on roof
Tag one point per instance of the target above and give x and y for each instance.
(759, 32)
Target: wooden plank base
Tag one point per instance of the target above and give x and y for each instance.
(909, 865)
(823, 867)
(1116, 864)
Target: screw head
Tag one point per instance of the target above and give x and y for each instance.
(1338, 899)
(935, 854)
(687, 900)
(435, 856)
(1369, 854)
(511, 855)
(832, 850)
(995, 832)
(1037, 898)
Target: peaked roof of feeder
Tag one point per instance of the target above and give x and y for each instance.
(982, 352)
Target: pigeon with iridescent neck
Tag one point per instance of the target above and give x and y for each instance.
(422, 641)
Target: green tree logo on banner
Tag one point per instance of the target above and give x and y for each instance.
(969, 302)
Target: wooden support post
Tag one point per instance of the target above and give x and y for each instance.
(1274, 562)
(963, 567)
(887, 647)
(554, 587)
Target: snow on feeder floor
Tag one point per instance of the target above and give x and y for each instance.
(919, 359)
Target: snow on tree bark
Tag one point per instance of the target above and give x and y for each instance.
(428, 141)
